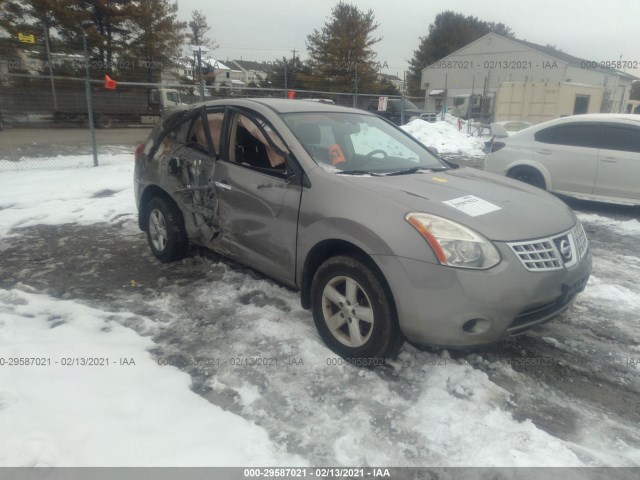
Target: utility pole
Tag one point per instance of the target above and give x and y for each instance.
(293, 67)
(402, 98)
(355, 97)
(195, 29)
(87, 87)
(45, 33)
(286, 88)
(200, 73)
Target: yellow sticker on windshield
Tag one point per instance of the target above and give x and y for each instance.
(438, 179)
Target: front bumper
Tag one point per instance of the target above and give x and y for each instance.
(435, 303)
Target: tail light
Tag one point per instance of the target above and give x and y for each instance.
(139, 150)
(495, 146)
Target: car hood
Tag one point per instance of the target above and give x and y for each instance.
(514, 210)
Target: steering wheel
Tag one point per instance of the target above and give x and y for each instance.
(375, 152)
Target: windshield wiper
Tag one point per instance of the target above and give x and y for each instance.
(408, 171)
(358, 172)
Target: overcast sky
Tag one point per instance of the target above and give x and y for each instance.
(264, 30)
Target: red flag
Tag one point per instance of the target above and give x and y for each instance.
(109, 83)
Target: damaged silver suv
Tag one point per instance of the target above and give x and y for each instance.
(384, 240)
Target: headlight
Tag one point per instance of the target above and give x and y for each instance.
(455, 245)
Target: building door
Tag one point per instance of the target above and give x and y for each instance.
(581, 105)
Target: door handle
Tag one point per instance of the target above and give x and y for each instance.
(223, 185)
(544, 152)
(610, 159)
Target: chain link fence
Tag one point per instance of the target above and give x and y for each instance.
(46, 121)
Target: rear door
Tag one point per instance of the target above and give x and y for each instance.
(258, 197)
(570, 154)
(619, 162)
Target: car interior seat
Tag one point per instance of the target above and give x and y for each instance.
(250, 150)
(310, 136)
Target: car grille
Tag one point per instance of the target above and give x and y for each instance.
(581, 239)
(552, 253)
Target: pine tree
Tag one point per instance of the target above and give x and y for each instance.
(104, 22)
(39, 18)
(197, 35)
(341, 52)
(155, 37)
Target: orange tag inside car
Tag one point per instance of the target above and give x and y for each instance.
(336, 155)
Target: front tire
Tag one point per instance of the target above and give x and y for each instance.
(354, 312)
(165, 230)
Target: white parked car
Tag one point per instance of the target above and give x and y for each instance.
(591, 157)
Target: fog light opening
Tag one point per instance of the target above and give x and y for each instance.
(476, 325)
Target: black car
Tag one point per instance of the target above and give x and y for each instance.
(393, 112)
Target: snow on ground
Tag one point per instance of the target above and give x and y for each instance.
(126, 411)
(426, 409)
(52, 197)
(109, 155)
(624, 227)
(447, 414)
(445, 137)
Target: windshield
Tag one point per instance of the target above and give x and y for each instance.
(407, 104)
(354, 143)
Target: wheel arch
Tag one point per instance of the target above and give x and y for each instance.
(326, 249)
(150, 192)
(534, 165)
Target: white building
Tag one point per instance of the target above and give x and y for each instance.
(217, 73)
(253, 72)
(480, 66)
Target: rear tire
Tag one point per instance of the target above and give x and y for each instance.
(528, 175)
(165, 230)
(354, 312)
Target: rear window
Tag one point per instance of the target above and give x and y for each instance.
(625, 139)
(571, 135)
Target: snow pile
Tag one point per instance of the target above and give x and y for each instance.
(127, 411)
(445, 137)
(53, 197)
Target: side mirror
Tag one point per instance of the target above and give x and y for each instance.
(450, 164)
(433, 150)
(498, 130)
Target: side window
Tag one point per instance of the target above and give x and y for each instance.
(197, 135)
(625, 139)
(256, 145)
(570, 135)
(169, 139)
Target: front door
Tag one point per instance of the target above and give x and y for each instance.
(570, 155)
(258, 201)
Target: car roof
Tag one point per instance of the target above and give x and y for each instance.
(282, 105)
(621, 118)
(595, 117)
